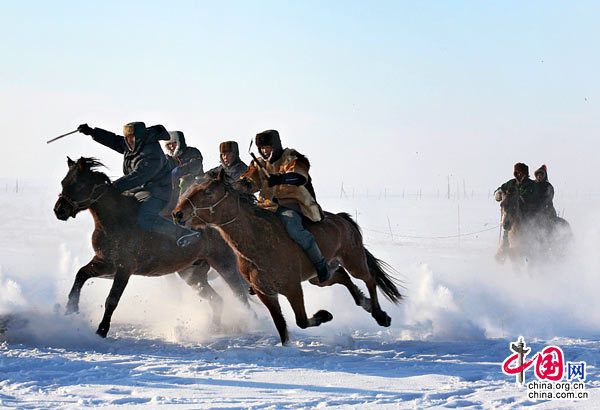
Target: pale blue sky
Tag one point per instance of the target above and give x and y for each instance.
(407, 91)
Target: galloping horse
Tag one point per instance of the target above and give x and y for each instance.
(532, 237)
(273, 263)
(122, 249)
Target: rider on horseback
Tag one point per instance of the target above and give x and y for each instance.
(147, 175)
(231, 163)
(545, 193)
(285, 186)
(527, 191)
(185, 161)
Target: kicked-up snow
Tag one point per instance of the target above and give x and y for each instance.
(444, 349)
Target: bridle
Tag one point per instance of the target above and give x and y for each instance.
(211, 210)
(87, 202)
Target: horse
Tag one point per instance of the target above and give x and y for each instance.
(123, 249)
(274, 264)
(533, 237)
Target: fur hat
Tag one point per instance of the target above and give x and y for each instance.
(137, 129)
(270, 138)
(541, 170)
(522, 168)
(178, 139)
(229, 146)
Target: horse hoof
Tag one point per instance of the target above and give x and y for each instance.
(323, 316)
(383, 319)
(102, 332)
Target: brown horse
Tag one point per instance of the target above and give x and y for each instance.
(532, 238)
(122, 249)
(273, 263)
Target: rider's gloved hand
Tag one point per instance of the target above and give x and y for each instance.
(85, 129)
(498, 195)
(275, 179)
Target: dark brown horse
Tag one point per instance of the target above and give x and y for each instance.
(122, 249)
(273, 263)
(532, 238)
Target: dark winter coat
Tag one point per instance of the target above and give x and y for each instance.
(186, 164)
(528, 194)
(145, 168)
(232, 172)
(545, 192)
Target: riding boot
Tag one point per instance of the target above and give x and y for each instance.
(317, 259)
(184, 237)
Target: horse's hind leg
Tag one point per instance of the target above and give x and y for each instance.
(272, 303)
(341, 276)
(116, 291)
(93, 269)
(196, 276)
(357, 266)
(296, 299)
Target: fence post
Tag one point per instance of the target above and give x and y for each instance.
(458, 225)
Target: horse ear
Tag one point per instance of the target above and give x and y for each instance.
(70, 162)
(221, 175)
(81, 164)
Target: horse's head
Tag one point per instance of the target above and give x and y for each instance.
(81, 187)
(510, 206)
(211, 202)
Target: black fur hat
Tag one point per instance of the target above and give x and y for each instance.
(270, 138)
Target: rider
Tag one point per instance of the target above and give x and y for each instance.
(545, 193)
(230, 161)
(185, 161)
(526, 189)
(285, 186)
(147, 175)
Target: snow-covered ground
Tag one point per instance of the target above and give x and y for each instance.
(444, 348)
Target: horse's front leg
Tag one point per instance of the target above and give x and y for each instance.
(93, 269)
(118, 286)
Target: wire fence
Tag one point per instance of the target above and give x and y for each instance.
(396, 235)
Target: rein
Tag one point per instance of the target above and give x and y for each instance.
(211, 211)
(87, 202)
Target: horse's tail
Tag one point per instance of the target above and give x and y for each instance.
(385, 282)
(378, 268)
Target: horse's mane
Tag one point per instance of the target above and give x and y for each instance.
(92, 164)
(249, 199)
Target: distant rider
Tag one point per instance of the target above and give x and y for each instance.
(545, 195)
(526, 189)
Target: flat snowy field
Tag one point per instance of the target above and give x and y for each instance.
(444, 348)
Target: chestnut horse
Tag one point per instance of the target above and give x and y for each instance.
(273, 263)
(123, 249)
